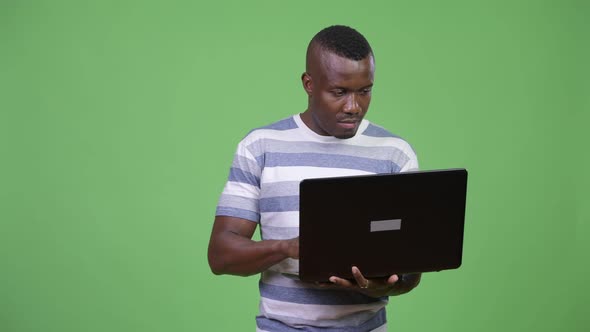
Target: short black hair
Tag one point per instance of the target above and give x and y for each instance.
(343, 41)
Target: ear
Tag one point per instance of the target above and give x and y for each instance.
(307, 83)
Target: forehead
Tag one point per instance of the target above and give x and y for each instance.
(336, 70)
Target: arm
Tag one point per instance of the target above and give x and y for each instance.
(232, 250)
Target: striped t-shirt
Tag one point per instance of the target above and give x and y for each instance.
(263, 187)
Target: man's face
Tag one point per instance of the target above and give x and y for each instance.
(339, 91)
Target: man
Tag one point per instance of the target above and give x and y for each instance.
(330, 138)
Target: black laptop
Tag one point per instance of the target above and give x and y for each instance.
(384, 224)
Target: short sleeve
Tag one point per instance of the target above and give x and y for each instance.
(411, 163)
(241, 194)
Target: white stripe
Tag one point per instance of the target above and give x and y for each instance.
(411, 165)
(241, 189)
(298, 173)
(384, 141)
(280, 219)
(288, 265)
(315, 312)
(243, 152)
(290, 135)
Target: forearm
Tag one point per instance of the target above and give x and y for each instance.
(234, 254)
(405, 284)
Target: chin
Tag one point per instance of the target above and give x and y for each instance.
(345, 135)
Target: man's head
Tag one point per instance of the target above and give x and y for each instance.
(338, 78)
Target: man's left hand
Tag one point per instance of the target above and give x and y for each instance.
(372, 287)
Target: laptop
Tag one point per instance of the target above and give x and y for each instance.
(384, 224)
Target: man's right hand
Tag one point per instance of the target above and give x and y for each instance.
(232, 250)
(291, 248)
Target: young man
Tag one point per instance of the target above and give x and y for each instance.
(331, 138)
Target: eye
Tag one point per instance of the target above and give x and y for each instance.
(338, 92)
(366, 91)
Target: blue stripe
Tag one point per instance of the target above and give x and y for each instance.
(314, 296)
(377, 131)
(376, 321)
(238, 213)
(282, 188)
(238, 175)
(285, 124)
(238, 202)
(329, 161)
(279, 204)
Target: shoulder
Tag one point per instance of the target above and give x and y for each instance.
(271, 136)
(374, 130)
(274, 130)
(398, 149)
(282, 125)
(383, 137)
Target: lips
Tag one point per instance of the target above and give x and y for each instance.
(347, 119)
(348, 124)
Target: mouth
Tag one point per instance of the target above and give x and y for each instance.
(348, 124)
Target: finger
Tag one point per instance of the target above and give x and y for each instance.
(361, 281)
(341, 282)
(392, 279)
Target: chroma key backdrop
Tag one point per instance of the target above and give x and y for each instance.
(119, 120)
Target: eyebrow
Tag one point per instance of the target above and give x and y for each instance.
(345, 88)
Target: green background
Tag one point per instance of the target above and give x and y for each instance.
(119, 121)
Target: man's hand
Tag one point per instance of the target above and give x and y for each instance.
(232, 250)
(376, 287)
(372, 287)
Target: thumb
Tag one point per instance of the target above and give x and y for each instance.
(393, 279)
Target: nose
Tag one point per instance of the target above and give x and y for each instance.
(352, 105)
